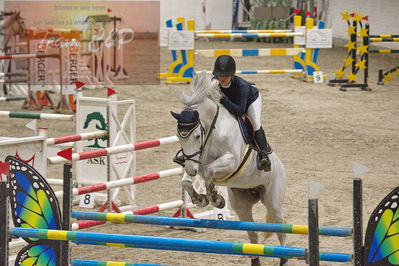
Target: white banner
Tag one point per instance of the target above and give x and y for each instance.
(38, 66)
(181, 40)
(319, 38)
(70, 57)
(91, 116)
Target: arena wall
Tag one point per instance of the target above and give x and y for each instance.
(218, 13)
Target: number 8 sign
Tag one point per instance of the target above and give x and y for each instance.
(87, 201)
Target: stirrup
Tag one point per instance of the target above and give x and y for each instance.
(179, 159)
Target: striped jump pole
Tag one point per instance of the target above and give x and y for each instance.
(26, 56)
(12, 98)
(36, 115)
(123, 182)
(79, 262)
(250, 52)
(77, 137)
(384, 36)
(114, 150)
(181, 244)
(385, 51)
(240, 31)
(248, 35)
(53, 29)
(2, 74)
(384, 39)
(214, 224)
(264, 71)
(147, 210)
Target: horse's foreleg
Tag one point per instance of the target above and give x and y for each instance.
(216, 199)
(198, 199)
(220, 167)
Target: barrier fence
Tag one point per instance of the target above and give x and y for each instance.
(359, 27)
(181, 69)
(205, 246)
(181, 244)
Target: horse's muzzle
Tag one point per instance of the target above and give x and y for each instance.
(191, 170)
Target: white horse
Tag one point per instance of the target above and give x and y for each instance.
(213, 148)
(11, 24)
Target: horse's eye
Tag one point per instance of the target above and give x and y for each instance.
(197, 137)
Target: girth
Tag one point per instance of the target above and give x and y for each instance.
(246, 159)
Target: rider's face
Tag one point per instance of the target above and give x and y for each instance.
(224, 80)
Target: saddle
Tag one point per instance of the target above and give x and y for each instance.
(248, 132)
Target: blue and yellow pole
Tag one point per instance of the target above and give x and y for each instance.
(204, 223)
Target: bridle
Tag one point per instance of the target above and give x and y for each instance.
(189, 157)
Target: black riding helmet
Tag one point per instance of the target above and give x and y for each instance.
(224, 66)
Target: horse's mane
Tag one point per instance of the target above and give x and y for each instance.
(202, 86)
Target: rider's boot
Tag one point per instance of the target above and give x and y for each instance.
(179, 158)
(263, 161)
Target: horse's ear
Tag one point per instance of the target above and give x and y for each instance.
(195, 115)
(175, 115)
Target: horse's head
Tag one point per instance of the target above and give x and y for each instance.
(19, 24)
(12, 24)
(196, 121)
(190, 134)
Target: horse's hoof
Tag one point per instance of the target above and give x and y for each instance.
(255, 262)
(201, 201)
(219, 203)
(283, 261)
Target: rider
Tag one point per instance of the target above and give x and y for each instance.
(240, 98)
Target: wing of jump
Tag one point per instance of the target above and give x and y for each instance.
(33, 205)
(382, 235)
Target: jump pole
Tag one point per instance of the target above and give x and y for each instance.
(36, 115)
(77, 137)
(123, 182)
(12, 98)
(262, 71)
(240, 31)
(213, 224)
(248, 35)
(25, 56)
(113, 150)
(79, 262)
(148, 210)
(182, 244)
